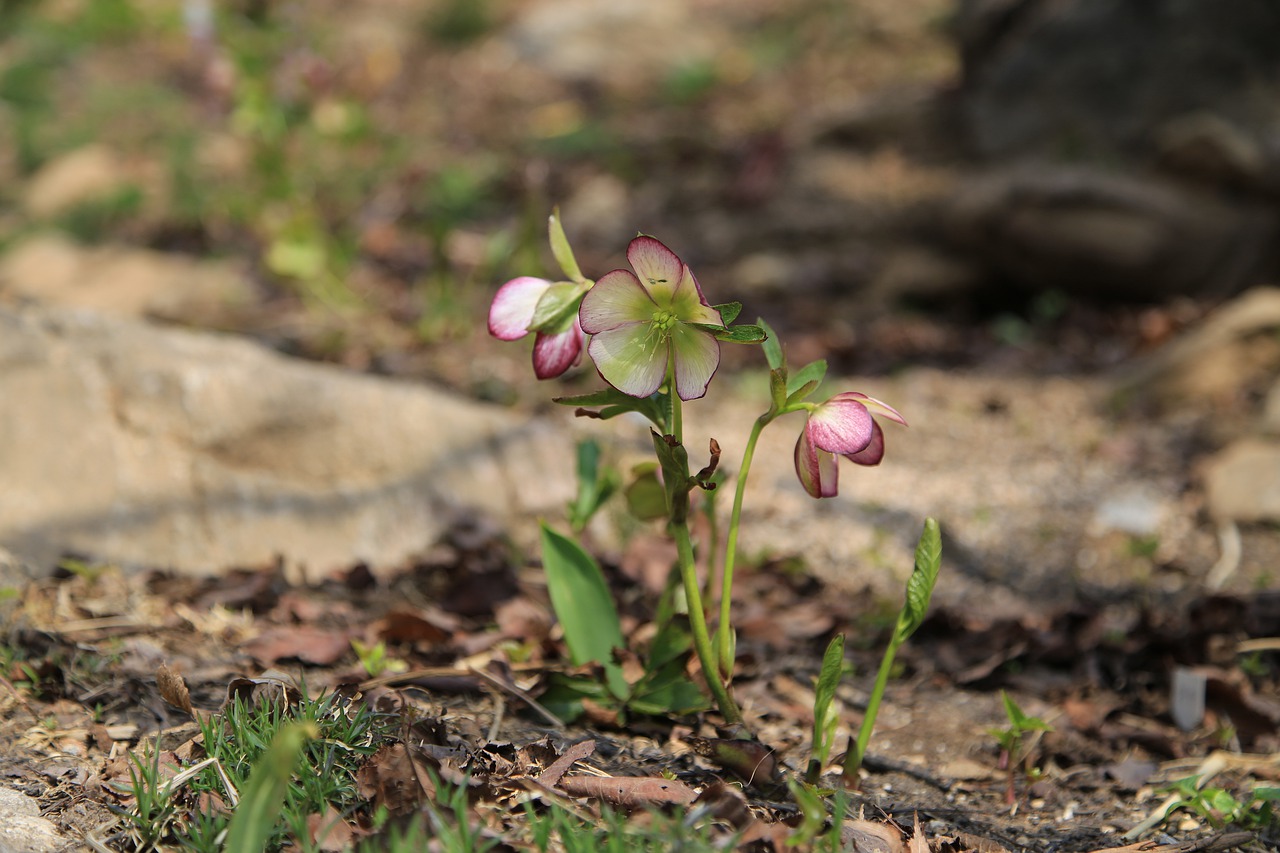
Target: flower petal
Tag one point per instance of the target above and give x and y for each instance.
(840, 426)
(873, 452)
(889, 411)
(816, 468)
(689, 305)
(697, 355)
(554, 354)
(513, 305)
(659, 268)
(631, 358)
(617, 299)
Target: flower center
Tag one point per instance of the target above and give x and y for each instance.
(664, 320)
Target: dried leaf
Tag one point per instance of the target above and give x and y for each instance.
(871, 837)
(318, 646)
(396, 777)
(173, 689)
(561, 765)
(630, 791)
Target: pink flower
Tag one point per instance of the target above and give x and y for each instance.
(643, 323)
(512, 314)
(843, 426)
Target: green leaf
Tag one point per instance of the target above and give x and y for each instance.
(923, 578)
(263, 796)
(646, 498)
(667, 690)
(674, 459)
(583, 605)
(813, 372)
(594, 486)
(772, 349)
(555, 310)
(560, 248)
(617, 403)
(729, 311)
(824, 694)
(777, 390)
(734, 334)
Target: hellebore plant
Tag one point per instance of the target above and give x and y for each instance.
(655, 340)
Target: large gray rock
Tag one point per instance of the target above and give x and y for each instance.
(1097, 79)
(23, 830)
(197, 452)
(1094, 233)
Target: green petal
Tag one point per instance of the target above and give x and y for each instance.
(617, 299)
(697, 355)
(631, 358)
(688, 305)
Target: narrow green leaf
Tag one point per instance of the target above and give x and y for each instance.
(824, 719)
(729, 311)
(734, 334)
(263, 796)
(583, 605)
(813, 372)
(595, 486)
(923, 578)
(800, 393)
(618, 403)
(560, 248)
(772, 349)
(777, 389)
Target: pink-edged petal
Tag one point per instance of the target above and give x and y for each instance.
(554, 354)
(689, 306)
(630, 358)
(873, 452)
(617, 299)
(513, 305)
(697, 355)
(840, 426)
(816, 468)
(889, 411)
(659, 268)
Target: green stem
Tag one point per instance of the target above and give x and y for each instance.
(724, 632)
(853, 759)
(698, 622)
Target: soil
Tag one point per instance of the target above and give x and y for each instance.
(1094, 659)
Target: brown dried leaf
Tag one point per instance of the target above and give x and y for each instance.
(871, 837)
(173, 689)
(630, 790)
(329, 832)
(750, 760)
(561, 765)
(318, 646)
(396, 777)
(403, 625)
(727, 803)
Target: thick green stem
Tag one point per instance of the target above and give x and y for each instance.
(698, 622)
(853, 758)
(724, 632)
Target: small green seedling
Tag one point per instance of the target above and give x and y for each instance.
(826, 714)
(1013, 751)
(1259, 811)
(375, 660)
(920, 586)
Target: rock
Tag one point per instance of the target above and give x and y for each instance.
(84, 175)
(1095, 79)
(1216, 360)
(1091, 233)
(198, 452)
(22, 829)
(578, 40)
(120, 280)
(1242, 483)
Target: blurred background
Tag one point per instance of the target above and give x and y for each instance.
(1009, 184)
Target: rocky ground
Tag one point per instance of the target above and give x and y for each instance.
(1105, 473)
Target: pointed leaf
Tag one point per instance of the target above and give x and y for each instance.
(772, 348)
(617, 403)
(560, 248)
(729, 311)
(800, 393)
(824, 717)
(923, 578)
(813, 372)
(777, 390)
(583, 605)
(734, 334)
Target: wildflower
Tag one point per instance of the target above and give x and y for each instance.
(843, 426)
(514, 309)
(641, 326)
